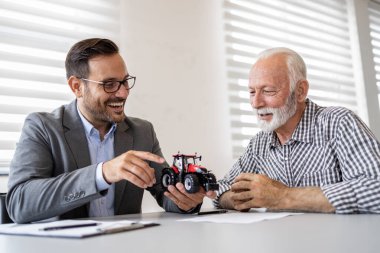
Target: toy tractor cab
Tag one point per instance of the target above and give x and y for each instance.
(185, 169)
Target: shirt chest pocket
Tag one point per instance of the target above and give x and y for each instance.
(321, 178)
(269, 167)
(320, 167)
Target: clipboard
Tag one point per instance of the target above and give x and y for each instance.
(75, 229)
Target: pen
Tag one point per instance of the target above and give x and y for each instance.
(120, 229)
(213, 212)
(69, 226)
(128, 227)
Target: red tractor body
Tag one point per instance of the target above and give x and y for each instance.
(186, 170)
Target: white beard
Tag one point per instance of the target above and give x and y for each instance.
(280, 115)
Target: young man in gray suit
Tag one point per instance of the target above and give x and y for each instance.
(88, 159)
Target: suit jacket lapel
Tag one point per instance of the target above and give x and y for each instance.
(76, 139)
(123, 142)
(75, 136)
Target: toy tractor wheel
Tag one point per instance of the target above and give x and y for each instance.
(191, 183)
(168, 178)
(211, 183)
(211, 178)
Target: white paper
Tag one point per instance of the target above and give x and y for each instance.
(254, 215)
(37, 229)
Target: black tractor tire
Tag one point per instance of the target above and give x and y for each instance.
(211, 178)
(191, 183)
(168, 177)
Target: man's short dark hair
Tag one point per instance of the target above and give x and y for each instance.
(77, 58)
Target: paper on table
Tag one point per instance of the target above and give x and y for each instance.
(252, 216)
(79, 232)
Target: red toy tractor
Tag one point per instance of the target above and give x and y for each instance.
(186, 170)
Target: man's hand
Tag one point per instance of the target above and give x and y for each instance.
(132, 166)
(184, 200)
(255, 190)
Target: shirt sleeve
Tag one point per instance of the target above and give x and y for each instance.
(101, 183)
(246, 163)
(358, 152)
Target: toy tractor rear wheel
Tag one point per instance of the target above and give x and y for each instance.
(168, 178)
(211, 178)
(191, 183)
(211, 183)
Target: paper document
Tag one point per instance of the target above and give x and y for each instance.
(72, 228)
(254, 215)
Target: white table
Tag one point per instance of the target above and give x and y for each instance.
(302, 233)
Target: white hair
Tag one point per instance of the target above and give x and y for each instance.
(294, 62)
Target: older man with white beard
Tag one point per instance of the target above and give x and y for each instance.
(308, 157)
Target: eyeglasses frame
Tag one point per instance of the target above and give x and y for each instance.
(122, 82)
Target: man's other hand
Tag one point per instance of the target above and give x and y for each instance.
(184, 200)
(132, 166)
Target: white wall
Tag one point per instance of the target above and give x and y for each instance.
(176, 50)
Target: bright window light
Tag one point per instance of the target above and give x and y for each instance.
(318, 30)
(35, 38)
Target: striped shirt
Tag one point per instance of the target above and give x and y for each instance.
(331, 148)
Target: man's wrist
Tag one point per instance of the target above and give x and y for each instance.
(305, 199)
(225, 200)
(285, 199)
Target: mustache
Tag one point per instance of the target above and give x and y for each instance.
(265, 110)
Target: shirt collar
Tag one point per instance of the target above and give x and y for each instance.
(273, 140)
(305, 128)
(90, 129)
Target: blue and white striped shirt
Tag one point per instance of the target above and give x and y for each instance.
(331, 148)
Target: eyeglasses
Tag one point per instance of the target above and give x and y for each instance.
(114, 86)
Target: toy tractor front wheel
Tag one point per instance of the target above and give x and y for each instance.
(191, 183)
(168, 178)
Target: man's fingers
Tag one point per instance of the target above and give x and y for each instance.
(182, 199)
(134, 179)
(135, 162)
(138, 173)
(178, 202)
(243, 205)
(148, 156)
(179, 193)
(242, 196)
(194, 197)
(241, 186)
(141, 169)
(245, 177)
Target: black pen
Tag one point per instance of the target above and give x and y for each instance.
(213, 212)
(127, 227)
(69, 226)
(121, 228)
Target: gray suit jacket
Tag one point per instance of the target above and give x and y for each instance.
(51, 173)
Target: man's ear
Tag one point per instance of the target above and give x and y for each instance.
(75, 85)
(302, 89)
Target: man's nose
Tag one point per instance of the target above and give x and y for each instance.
(257, 100)
(122, 92)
